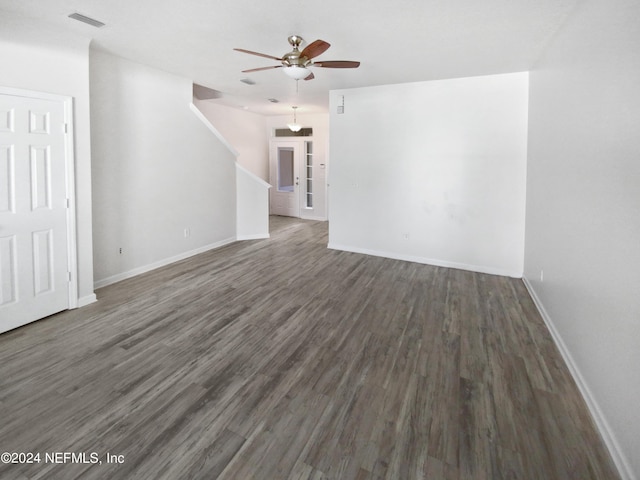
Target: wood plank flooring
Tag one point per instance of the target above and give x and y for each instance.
(281, 359)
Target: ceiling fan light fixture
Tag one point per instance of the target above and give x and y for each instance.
(295, 126)
(294, 63)
(296, 72)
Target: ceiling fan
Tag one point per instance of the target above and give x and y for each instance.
(295, 62)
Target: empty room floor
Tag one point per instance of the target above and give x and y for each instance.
(281, 359)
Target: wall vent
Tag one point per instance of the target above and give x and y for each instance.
(87, 20)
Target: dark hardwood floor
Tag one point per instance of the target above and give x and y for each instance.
(281, 359)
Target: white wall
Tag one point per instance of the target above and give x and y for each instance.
(583, 210)
(432, 172)
(253, 205)
(244, 130)
(36, 57)
(320, 124)
(157, 170)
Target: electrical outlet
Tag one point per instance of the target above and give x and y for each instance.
(541, 276)
(187, 232)
(405, 235)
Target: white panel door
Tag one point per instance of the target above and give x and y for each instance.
(285, 178)
(34, 278)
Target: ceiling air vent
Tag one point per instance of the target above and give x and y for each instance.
(87, 20)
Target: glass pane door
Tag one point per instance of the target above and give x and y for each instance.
(285, 169)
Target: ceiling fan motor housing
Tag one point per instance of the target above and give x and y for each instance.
(294, 57)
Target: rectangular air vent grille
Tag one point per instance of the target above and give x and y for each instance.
(87, 20)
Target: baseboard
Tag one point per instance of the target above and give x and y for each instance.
(606, 433)
(161, 263)
(86, 300)
(311, 217)
(427, 261)
(256, 236)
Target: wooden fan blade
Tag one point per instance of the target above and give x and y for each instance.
(337, 64)
(261, 68)
(314, 49)
(311, 76)
(258, 54)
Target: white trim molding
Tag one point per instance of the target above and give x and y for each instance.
(213, 129)
(605, 430)
(252, 175)
(258, 236)
(161, 263)
(313, 217)
(427, 261)
(87, 300)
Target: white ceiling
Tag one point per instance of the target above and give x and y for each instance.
(395, 41)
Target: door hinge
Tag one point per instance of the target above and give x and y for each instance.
(65, 127)
(69, 277)
(68, 203)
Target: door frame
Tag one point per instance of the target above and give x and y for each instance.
(70, 184)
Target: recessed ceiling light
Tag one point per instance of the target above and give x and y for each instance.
(90, 21)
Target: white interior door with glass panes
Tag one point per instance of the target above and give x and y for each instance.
(285, 178)
(34, 202)
(291, 172)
